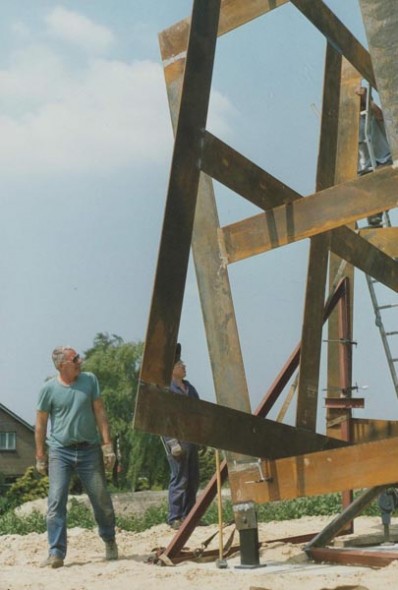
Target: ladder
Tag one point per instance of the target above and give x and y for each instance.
(384, 334)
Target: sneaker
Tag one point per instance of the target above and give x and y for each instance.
(175, 524)
(53, 561)
(111, 550)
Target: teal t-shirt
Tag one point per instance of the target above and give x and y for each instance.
(70, 410)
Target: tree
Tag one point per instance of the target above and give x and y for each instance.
(116, 364)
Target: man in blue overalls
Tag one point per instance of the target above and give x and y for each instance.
(182, 456)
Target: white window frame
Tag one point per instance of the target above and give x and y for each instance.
(8, 441)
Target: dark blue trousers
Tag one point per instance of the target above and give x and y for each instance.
(184, 482)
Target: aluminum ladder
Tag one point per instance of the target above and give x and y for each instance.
(384, 334)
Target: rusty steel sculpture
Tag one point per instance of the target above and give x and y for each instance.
(267, 460)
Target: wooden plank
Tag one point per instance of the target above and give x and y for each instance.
(338, 35)
(380, 18)
(178, 222)
(234, 13)
(353, 467)
(206, 423)
(311, 335)
(384, 238)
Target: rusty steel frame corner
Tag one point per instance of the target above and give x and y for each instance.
(326, 217)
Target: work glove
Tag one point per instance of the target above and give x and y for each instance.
(176, 449)
(109, 456)
(42, 466)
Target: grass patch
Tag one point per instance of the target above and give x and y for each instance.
(80, 515)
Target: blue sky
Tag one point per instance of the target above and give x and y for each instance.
(85, 151)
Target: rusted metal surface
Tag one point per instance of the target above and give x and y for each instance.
(312, 215)
(203, 422)
(338, 35)
(311, 335)
(366, 430)
(345, 354)
(353, 556)
(177, 230)
(372, 261)
(380, 18)
(292, 363)
(356, 466)
(321, 217)
(234, 13)
(346, 169)
(384, 238)
(341, 520)
(327, 156)
(272, 395)
(242, 176)
(216, 302)
(345, 403)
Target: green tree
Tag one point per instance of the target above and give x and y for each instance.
(116, 364)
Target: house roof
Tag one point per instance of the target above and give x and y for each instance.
(18, 418)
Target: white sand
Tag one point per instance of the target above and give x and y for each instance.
(285, 565)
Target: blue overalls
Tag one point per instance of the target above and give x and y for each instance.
(184, 472)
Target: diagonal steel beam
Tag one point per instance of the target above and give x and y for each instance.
(311, 335)
(224, 428)
(270, 398)
(178, 223)
(337, 35)
(234, 13)
(262, 232)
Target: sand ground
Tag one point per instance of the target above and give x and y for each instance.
(283, 565)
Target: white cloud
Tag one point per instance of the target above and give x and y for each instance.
(115, 116)
(98, 115)
(79, 30)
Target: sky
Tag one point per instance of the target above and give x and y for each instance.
(85, 153)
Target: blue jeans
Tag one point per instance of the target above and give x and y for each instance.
(184, 482)
(87, 463)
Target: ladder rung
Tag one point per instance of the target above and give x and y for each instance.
(391, 333)
(394, 360)
(387, 306)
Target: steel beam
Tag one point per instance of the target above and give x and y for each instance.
(341, 520)
(363, 557)
(224, 428)
(182, 192)
(311, 336)
(354, 466)
(234, 13)
(346, 169)
(337, 35)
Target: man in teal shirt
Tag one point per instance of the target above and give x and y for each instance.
(79, 426)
